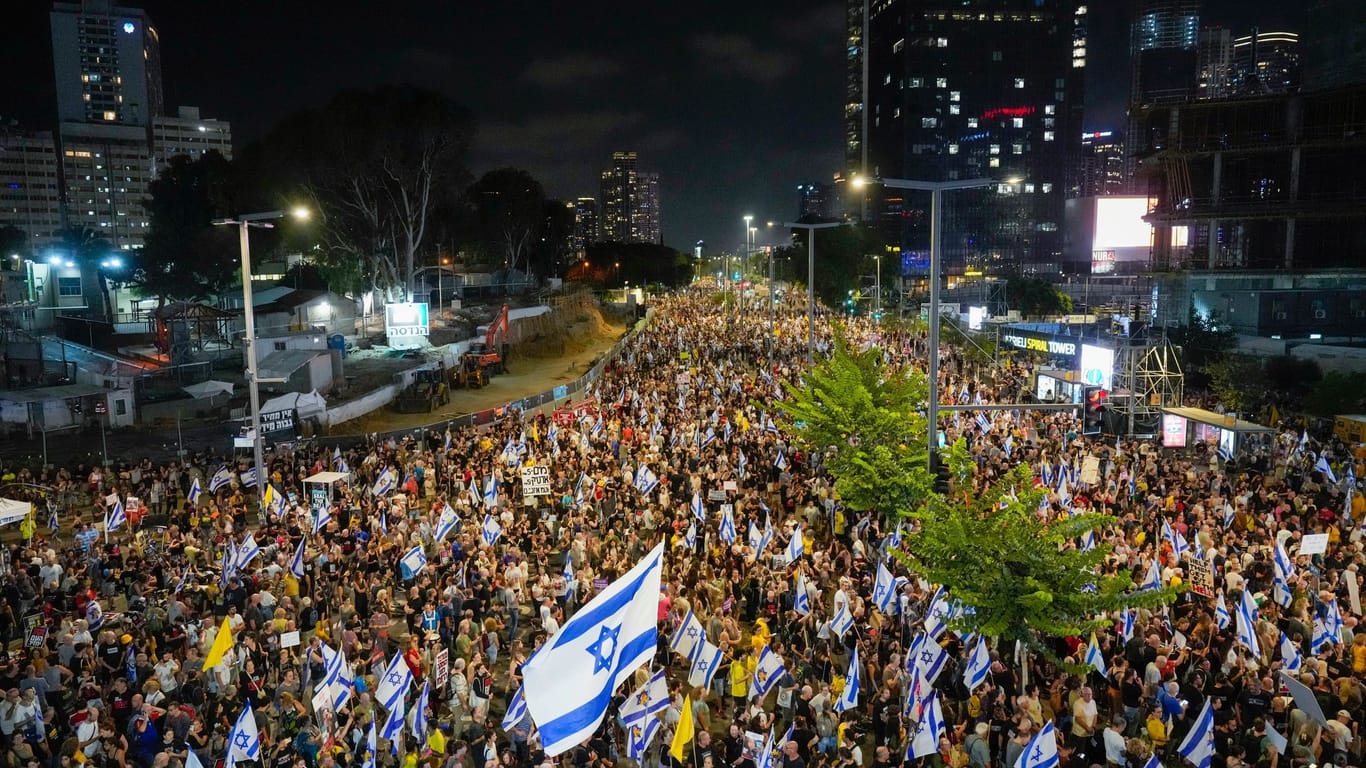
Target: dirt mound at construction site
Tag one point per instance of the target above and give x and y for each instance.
(565, 330)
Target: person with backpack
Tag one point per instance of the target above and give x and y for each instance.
(977, 748)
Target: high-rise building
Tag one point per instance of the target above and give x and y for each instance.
(106, 171)
(816, 202)
(1266, 62)
(189, 134)
(962, 89)
(1214, 60)
(30, 199)
(645, 217)
(629, 203)
(855, 85)
(1102, 165)
(1335, 44)
(1163, 63)
(107, 62)
(585, 223)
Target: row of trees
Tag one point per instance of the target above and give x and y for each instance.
(1019, 576)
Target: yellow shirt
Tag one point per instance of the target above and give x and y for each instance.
(739, 678)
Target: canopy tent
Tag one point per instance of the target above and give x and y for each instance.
(327, 478)
(12, 511)
(205, 389)
(1220, 420)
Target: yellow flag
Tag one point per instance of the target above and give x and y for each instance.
(683, 733)
(221, 643)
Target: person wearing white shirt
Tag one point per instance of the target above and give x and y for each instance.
(1114, 744)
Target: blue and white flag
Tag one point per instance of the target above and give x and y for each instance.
(706, 660)
(1321, 637)
(647, 700)
(1198, 746)
(940, 614)
(849, 696)
(795, 545)
(727, 530)
(394, 685)
(371, 745)
(1042, 751)
(1126, 621)
(801, 601)
(322, 515)
(220, 478)
(490, 493)
(639, 735)
(393, 725)
(690, 536)
(516, 711)
(699, 510)
(420, 713)
(1176, 540)
(686, 638)
(1153, 762)
(645, 481)
(767, 671)
(1088, 541)
(490, 530)
(781, 461)
(1247, 628)
(1222, 618)
(385, 483)
(249, 478)
(884, 588)
(1094, 658)
(1332, 618)
(1291, 661)
(1153, 580)
(568, 572)
(116, 517)
(570, 680)
(244, 741)
(445, 524)
(130, 666)
(929, 730)
(1322, 466)
(1283, 565)
(708, 437)
(843, 621)
(926, 659)
(978, 666)
(765, 757)
(413, 562)
(193, 495)
(338, 677)
(246, 553)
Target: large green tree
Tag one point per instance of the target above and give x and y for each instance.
(376, 166)
(1035, 297)
(509, 207)
(185, 257)
(842, 259)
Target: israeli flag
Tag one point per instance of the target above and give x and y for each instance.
(699, 510)
(244, 741)
(706, 660)
(490, 493)
(1322, 466)
(1321, 637)
(385, 483)
(116, 517)
(928, 659)
(1094, 658)
(413, 562)
(447, 523)
(1154, 578)
(1198, 746)
(1280, 591)
(322, 515)
(597, 427)
(1222, 618)
(393, 726)
(645, 481)
(849, 696)
(939, 616)
(708, 437)
(1088, 541)
(1332, 618)
(795, 545)
(1291, 661)
(843, 621)
(1178, 542)
(978, 666)
(516, 711)
(884, 589)
(929, 730)
(249, 478)
(246, 553)
(1247, 630)
(727, 530)
(801, 601)
(765, 757)
(1284, 567)
(1153, 762)
(566, 694)
(781, 461)
(639, 735)
(568, 572)
(338, 676)
(1126, 621)
(193, 495)
(491, 530)
(686, 638)
(394, 685)
(220, 478)
(371, 745)
(767, 671)
(1042, 751)
(420, 713)
(649, 699)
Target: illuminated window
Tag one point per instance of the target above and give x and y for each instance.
(896, 112)
(1017, 149)
(1050, 109)
(1019, 82)
(1017, 122)
(886, 80)
(1046, 187)
(928, 122)
(955, 95)
(953, 149)
(995, 162)
(1029, 188)
(1047, 135)
(995, 149)
(1078, 63)
(108, 115)
(915, 82)
(941, 82)
(955, 109)
(972, 122)
(943, 42)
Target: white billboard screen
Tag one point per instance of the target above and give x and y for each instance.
(1120, 224)
(1097, 366)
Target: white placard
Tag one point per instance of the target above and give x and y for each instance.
(730, 485)
(1353, 592)
(289, 639)
(535, 481)
(1314, 544)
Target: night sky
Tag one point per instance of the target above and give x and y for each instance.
(733, 103)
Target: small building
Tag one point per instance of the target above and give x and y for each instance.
(64, 407)
(302, 309)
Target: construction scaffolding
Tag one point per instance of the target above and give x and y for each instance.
(1147, 379)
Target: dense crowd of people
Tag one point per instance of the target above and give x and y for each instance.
(431, 554)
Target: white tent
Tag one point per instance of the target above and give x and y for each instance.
(208, 389)
(12, 511)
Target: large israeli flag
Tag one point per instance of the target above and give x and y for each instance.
(767, 671)
(1042, 751)
(795, 545)
(928, 730)
(1198, 746)
(978, 666)
(220, 478)
(570, 680)
(1247, 628)
(849, 696)
(244, 741)
(801, 602)
(884, 588)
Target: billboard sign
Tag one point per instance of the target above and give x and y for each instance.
(976, 315)
(406, 325)
(1097, 366)
(1173, 431)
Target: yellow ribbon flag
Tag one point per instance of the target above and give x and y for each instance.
(683, 734)
(221, 643)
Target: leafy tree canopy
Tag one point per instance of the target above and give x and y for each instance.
(184, 256)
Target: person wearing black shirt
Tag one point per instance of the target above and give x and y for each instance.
(1253, 702)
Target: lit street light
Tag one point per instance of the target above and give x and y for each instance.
(244, 223)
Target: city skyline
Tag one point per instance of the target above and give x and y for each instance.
(734, 109)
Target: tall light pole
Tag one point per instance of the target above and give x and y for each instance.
(811, 283)
(772, 302)
(244, 223)
(877, 287)
(936, 190)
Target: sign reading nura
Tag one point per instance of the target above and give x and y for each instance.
(406, 325)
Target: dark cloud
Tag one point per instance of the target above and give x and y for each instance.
(734, 54)
(575, 69)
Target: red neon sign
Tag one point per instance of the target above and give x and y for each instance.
(1007, 112)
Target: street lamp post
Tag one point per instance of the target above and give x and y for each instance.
(936, 190)
(744, 259)
(244, 223)
(811, 283)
